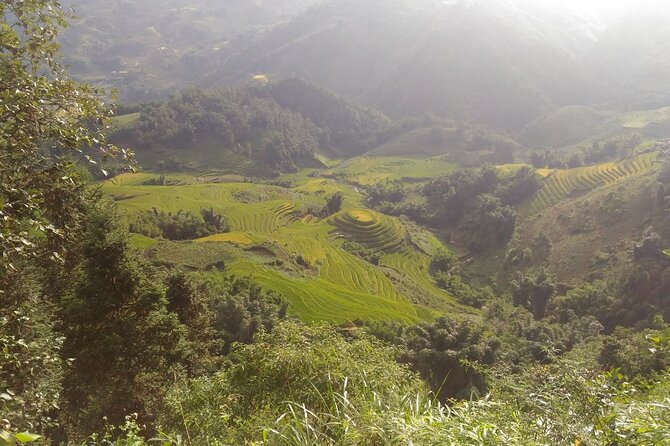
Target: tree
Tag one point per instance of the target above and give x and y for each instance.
(438, 351)
(333, 205)
(489, 224)
(46, 122)
(591, 299)
(451, 197)
(44, 117)
(127, 343)
(534, 293)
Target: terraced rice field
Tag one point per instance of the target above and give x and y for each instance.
(369, 228)
(323, 187)
(563, 183)
(316, 299)
(261, 218)
(204, 155)
(248, 207)
(269, 231)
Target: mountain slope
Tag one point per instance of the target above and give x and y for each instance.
(155, 44)
(490, 62)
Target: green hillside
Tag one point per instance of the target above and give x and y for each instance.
(591, 234)
(565, 127)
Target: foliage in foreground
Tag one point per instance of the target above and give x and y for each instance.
(310, 386)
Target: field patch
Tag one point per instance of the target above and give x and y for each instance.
(125, 121)
(371, 170)
(238, 238)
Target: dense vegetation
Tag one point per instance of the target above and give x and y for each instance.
(316, 308)
(250, 127)
(343, 126)
(179, 226)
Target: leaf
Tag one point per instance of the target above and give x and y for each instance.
(654, 339)
(27, 437)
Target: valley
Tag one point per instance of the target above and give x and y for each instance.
(334, 223)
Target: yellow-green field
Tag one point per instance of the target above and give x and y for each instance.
(563, 183)
(370, 229)
(370, 170)
(202, 155)
(272, 227)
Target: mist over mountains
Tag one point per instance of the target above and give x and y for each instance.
(502, 63)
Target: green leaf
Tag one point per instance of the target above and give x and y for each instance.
(27, 437)
(654, 339)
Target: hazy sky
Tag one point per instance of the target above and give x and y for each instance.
(616, 5)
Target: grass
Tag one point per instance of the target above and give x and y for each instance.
(645, 118)
(563, 128)
(142, 242)
(577, 126)
(560, 184)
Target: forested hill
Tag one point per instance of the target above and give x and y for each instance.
(344, 125)
(278, 126)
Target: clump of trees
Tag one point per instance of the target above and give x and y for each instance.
(182, 225)
(279, 126)
(474, 204)
(333, 205)
(444, 354)
(477, 203)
